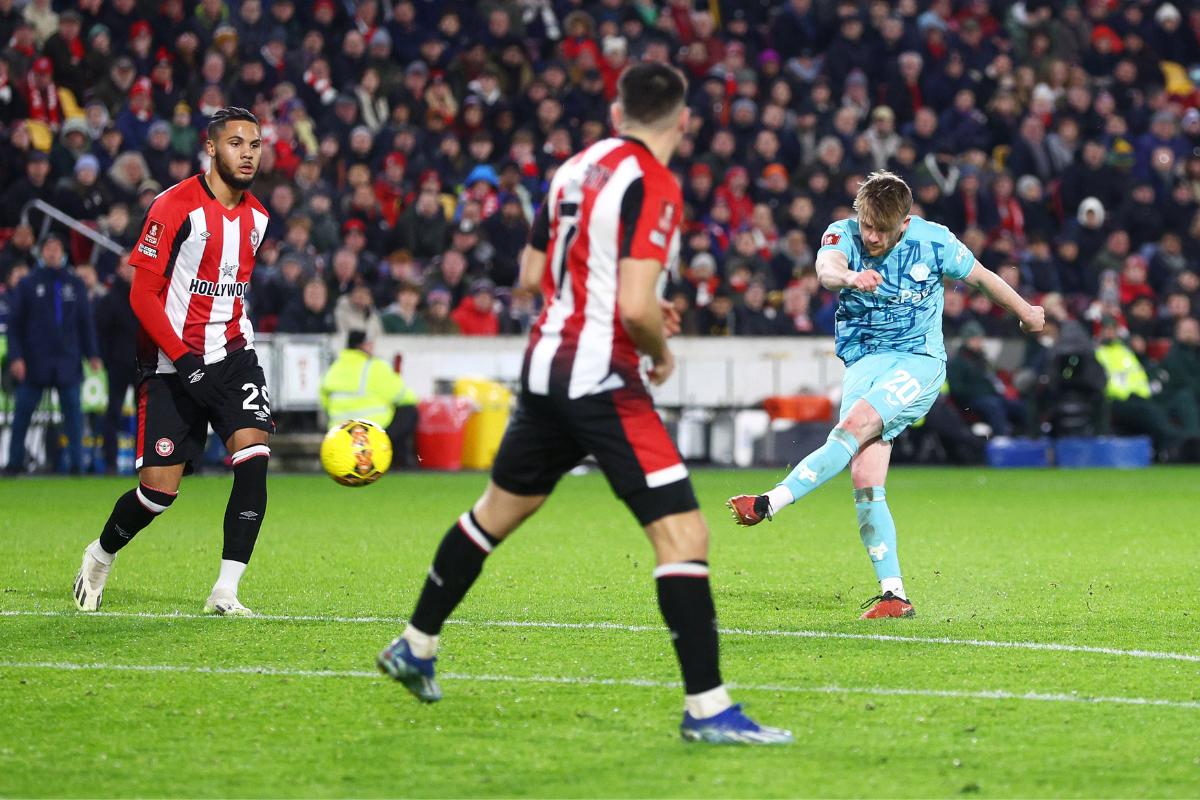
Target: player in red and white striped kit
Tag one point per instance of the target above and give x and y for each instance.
(194, 260)
(598, 249)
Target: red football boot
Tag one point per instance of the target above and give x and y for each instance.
(749, 509)
(887, 605)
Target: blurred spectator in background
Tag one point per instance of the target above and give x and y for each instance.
(437, 312)
(476, 314)
(355, 311)
(308, 313)
(1182, 365)
(50, 332)
(117, 331)
(975, 387)
(404, 316)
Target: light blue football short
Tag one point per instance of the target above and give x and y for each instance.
(900, 386)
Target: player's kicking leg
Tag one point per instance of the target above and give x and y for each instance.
(859, 425)
(156, 490)
(411, 657)
(249, 455)
(868, 471)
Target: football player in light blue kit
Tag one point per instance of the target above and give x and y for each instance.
(888, 268)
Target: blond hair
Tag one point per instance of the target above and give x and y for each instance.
(884, 200)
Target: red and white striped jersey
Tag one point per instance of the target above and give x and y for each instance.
(206, 252)
(612, 201)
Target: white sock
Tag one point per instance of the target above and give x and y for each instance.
(100, 554)
(893, 585)
(231, 574)
(779, 498)
(422, 644)
(707, 704)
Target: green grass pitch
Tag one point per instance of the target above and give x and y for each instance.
(1092, 574)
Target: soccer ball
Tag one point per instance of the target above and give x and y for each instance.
(356, 452)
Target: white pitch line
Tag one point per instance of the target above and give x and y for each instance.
(641, 683)
(1055, 647)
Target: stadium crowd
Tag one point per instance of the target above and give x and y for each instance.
(408, 143)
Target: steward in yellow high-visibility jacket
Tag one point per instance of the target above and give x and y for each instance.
(360, 386)
(1131, 395)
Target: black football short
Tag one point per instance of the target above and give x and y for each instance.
(173, 428)
(548, 436)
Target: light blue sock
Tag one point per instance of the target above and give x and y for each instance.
(878, 532)
(820, 465)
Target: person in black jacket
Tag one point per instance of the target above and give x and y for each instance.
(116, 331)
(50, 332)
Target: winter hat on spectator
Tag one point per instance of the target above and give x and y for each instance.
(1090, 205)
(615, 44)
(971, 329)
(775, 169)
(99, 29)
(930, 20)
(354, 224)
(149, 185)
(700, 168)
(1105, 33)
(438, 294)
(380, 38)
(87, 161)
(75, 125)
(704, 261)
(1043, 92)
(769, 56)
(395, 159)
(42, 66)
(483, 285)
(417, 68)
(1165, 12)
(483, 172)
(160, 126)
(746, 103)
(139, 29)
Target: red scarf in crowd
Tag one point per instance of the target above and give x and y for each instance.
(43, 104)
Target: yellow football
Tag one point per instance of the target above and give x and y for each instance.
(356, 452)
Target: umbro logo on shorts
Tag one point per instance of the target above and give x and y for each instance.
(196, 376)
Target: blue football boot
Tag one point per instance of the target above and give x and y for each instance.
(398, 662)
(731, 726)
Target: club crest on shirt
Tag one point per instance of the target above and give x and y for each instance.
(153, 231)
(919, 272)
(254, 237)
(830, 239)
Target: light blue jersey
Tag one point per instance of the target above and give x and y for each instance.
(904, 315)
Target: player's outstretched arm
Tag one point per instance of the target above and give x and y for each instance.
(834, 273)
(1032, 317)
(642, 315)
